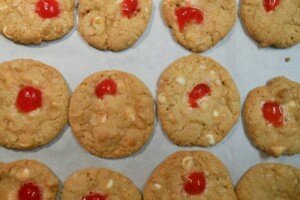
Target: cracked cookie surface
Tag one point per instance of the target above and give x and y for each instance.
(20, 22)
(103, 26)
(269, 181)
(102, 182)
(14, 175)
(219, 18)
(168, 179)
(216, 113)
(279, 28)
(281, 140)
(117, 125)
(28, 130)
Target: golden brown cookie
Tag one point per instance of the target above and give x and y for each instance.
(198, 25)
(272, 22)
(269, 181)
(27, 179)
(34, 21)
(113, 24)
(112, 114)
(271, 116)
(198, 101)
(190, 175)
(34, 100)
(102, 184)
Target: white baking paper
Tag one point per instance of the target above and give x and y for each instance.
(249, 65)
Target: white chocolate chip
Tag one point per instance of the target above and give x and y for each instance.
(99, 24)
(23, 174)
(130, 113)
(157, 186)
(3, 7)
(292, 104)
(103, 118)
(216, 113)
(202, 67)
(161, 98)
(118, 1)
(277, 150)
(188, 163)
(180, 80)
(211, 139)
(213, 74)
(110, 184)
(219, 82)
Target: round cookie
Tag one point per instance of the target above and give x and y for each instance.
(269, 181)
(198, 25)
(198, 102)
(272, 117)
(112, 114)
(272, 22)
(34, 100)
(190, 175)
(28, 179)
(113, 24)
(102, 184)
(34, 21)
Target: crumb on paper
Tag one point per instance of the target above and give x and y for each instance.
(287, 59)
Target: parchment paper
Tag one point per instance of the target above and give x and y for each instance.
(249, 65)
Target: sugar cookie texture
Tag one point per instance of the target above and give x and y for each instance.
(20, 22)
(216, 113)
(281, 140)
(117, 125)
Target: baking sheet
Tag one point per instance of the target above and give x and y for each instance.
(249, 65)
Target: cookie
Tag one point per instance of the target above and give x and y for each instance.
(112, 114)
(34, 100)
(272, 22)
(100, 184)
(198, 102)
(28, 179)
(199, 25)
(190, 175)
(269, 181)
(34, 21)
(271, 116)
(113, 24)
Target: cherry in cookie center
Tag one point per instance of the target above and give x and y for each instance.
(195, 183)
(272, 112)
(106, 87)
(30, 191)
(199, 91)
(270, 5)
(29, 99)
(48, 8)
(130, 7)
(187, 14)
(95, 196)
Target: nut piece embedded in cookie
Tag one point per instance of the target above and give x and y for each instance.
(31, 22)
(190, 175)
(195, 111)
(199, 25)
(99, 184)
(271, 117)
(34, 101)
(269, 181)
(112, 114)
(28, 180)
(113, 25)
